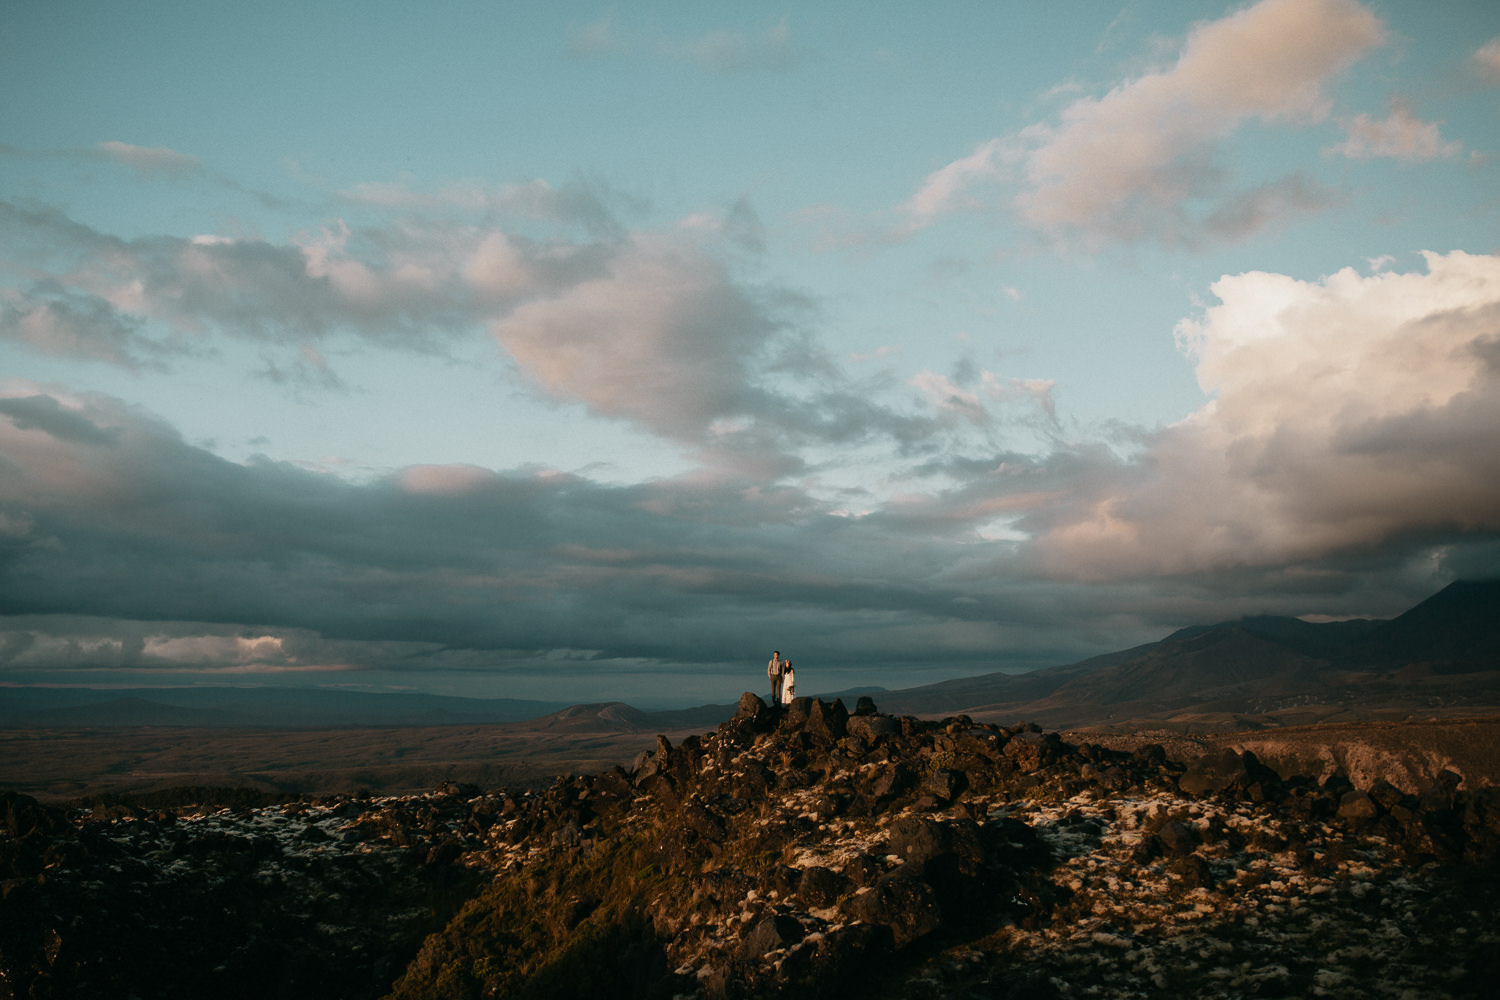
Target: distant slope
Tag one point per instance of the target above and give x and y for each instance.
(295, 707)
(1440, 657)
(618, 717)
(128, 712)
(971, 694)
(1456, 630)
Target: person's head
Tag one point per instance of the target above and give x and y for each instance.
(775, 654)
(789, 664)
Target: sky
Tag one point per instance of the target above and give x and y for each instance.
(589, 352)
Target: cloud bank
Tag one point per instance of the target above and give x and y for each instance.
(1348, 417)
(1350, 422)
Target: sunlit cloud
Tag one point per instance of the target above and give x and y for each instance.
(1400, 136)
(947, 189)
(1128, 165)
(1142, 163)
(1346, 415)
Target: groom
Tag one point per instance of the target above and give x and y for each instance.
(773, 671)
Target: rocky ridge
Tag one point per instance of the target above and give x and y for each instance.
(792, 852)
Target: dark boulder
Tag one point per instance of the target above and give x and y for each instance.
(1230, 773)
(819, 887)
(827, 720)
(1357, 807)
(870, 728)
(771, 933)
(906, 906)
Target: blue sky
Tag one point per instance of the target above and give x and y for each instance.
(589, 352)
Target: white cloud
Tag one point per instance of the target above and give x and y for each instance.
(663, 339)
(1487, 59)
(1346, 415)
(1135, 163)
(943, 190)
(1400, 135)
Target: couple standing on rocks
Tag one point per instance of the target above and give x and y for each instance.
(783, 679)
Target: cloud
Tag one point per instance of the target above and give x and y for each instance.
(720, 50)
(724, 51)
(1247, 212)
(1400, 136)
(590, 205)
(1127, 165)
(656, 329)
(150, 159)
(1349, 416)
(944, 189)
(111, 516)
(596, 38)
(664, 339)
(1140, 162)
(1349, 423)
(140, 302)
(1486, 59)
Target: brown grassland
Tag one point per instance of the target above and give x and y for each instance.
(60, 764)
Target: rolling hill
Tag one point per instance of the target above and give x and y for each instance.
(1440, 658)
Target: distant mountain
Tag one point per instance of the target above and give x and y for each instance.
(1442, 655)
(1457, 630)
(129, 712)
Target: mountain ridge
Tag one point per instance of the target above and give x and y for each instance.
(1441, 654)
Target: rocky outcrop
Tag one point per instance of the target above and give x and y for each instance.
(804, 851)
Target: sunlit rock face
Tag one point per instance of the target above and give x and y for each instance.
(793, 852)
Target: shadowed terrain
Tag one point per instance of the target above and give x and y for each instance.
(798, 852)
(53, 764)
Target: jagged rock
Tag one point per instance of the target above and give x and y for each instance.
(798, 853)
(870, 728)
(1231, 773)
(1194, 872)
(1032, 750)
(770, 934)
(1357, 807)
(1177, 839)
(1386, 794)
(827, 719)
(703, 822)
(819, 887)
(942, 783)
(863, 869)
(906, 906)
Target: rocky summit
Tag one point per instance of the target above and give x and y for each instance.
(804, 851)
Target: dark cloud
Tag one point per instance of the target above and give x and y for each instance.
(46, 414)
(154, 529)
(128, 549)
